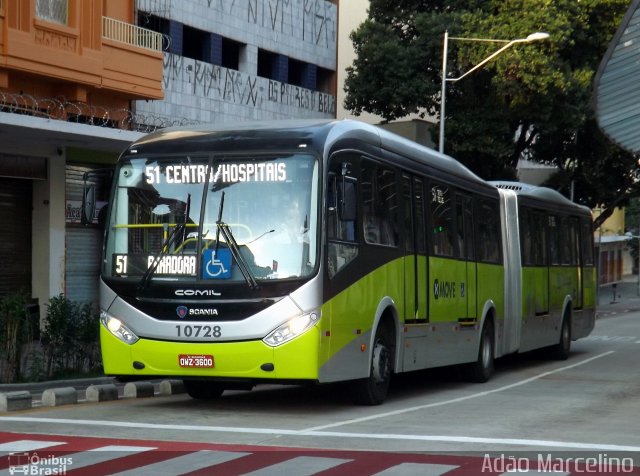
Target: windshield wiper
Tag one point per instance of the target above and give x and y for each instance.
(222, 227)
(180, 229)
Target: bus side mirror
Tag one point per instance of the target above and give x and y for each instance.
(347, 200)
(88, 208)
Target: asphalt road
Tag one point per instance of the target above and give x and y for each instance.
(589, 402)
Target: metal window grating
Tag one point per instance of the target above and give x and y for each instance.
(55, 11)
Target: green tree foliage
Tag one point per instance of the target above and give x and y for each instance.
(70, 337)
(15, 331)
(532, 101)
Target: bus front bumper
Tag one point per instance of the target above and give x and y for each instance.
(294, 360)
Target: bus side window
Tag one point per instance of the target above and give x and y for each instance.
(586, 239)
(489, 237)
(407, 197)
(341, 227)
(540, 241)
(554, 247)
(442, 210)
(574, 230)
(379, 204)
(464, 228)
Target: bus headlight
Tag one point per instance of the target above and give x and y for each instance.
(118, 329)
(291, 329)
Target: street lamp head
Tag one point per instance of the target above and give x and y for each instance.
(537, 36)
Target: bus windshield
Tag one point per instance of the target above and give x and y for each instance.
(224, 218)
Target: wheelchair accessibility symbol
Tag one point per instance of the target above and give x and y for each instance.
(216, 266)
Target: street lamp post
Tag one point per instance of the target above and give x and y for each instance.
(508, 43)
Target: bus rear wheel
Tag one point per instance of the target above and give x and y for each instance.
(373, 389)
(203, 389)
(482, 369)
(562, 349)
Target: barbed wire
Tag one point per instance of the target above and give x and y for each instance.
(61, 109)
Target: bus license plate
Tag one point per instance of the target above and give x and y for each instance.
(196, 361)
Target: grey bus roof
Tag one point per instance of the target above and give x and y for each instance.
(543, 194)
(322, 132)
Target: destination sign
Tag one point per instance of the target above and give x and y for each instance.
(170, 265)
(223, 173)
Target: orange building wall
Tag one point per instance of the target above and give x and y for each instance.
(119, 9)
(46, 59)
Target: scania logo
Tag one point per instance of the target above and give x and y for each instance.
(203, 312)
(182, 311)
(197, 292)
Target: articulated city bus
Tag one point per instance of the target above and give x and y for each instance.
(327, 251)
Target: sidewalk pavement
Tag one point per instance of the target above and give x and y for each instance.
(622, 297)
(39, 387)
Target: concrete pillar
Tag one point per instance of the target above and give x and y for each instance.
(48, 225)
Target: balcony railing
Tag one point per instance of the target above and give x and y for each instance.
(129, 34)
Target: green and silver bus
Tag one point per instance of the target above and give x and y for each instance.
(328, 251)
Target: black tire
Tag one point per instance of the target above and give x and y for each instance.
(562, 349)
(203, 390)
(373, 389)
(482, 369)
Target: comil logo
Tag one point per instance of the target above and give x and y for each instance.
(197, 292)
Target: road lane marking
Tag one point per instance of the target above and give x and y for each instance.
(26, 445)
(300, 465)
(318, 431)
(324, 434)
(601, 338)
(461, 399)
(82, 459)
(423, 469)
(103, 454)
(184, 464)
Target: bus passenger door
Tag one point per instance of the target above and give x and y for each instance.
(464, 216)
(576, 262)
(451, 278)
(415, 261)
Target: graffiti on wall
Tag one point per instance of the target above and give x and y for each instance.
(292, 95)
(211, 81)
(219, 83)
(313, 21)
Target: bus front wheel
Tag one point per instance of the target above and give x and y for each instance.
(373, 389)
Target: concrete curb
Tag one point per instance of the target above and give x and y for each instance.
(39, 387)
(138, 390)
(171, 387)
(12, 401)
(16, 400)
(101, 393)
(54, 397)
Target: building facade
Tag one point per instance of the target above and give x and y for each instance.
(255, 59)
(81, 79)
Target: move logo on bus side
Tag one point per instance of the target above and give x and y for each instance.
(446, 289)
